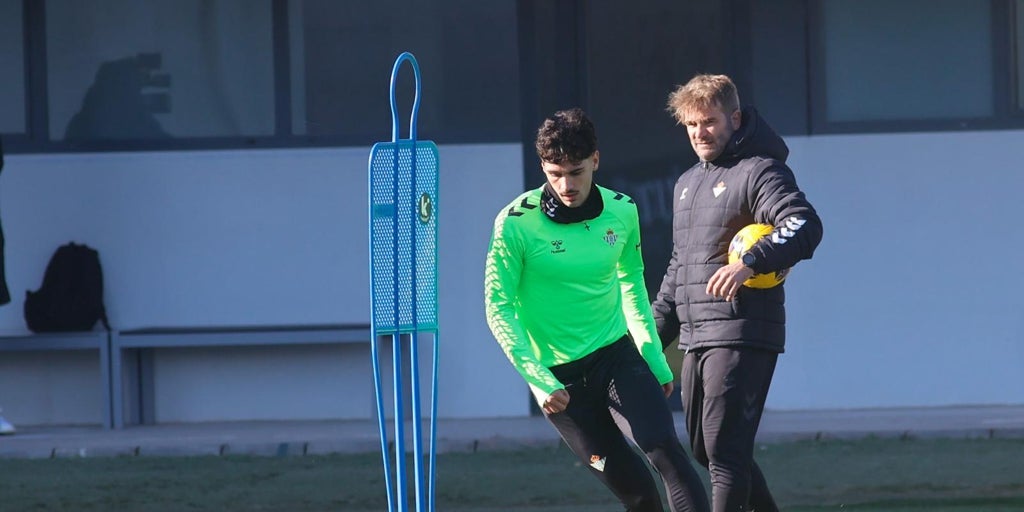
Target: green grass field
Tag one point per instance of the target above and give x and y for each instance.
(873, 475)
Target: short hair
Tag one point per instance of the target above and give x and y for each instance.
(703, 92)
(567, 136)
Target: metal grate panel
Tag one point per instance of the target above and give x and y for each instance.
(403, 235)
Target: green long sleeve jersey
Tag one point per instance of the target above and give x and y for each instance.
(555, 293)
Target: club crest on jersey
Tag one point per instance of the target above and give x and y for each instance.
(610, 237)
(719, 188)
(556, 247)
(597, 462)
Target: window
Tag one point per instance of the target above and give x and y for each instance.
(171, 74)
(342, 54)
(909, 60)
(159, 69)
(12, 68)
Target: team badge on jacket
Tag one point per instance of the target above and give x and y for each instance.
(610, 237)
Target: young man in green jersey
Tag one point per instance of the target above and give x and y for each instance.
(565, 298)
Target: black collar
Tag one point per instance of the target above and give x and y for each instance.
(562, 214)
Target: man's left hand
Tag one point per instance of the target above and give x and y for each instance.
(727, 280)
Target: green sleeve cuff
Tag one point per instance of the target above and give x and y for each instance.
(660, 369)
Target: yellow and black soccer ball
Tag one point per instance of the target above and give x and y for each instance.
(742, 242)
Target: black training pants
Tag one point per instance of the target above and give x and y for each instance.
(723, 392)
(613, 394)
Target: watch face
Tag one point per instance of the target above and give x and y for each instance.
(748, 259)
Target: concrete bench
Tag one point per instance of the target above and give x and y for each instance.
(142, 341)
(91, 340)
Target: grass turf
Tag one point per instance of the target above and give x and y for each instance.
(869, 475)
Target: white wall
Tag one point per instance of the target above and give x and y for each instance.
(914, 296)
(249, 237)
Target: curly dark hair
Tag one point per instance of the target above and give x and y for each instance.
(566, 137)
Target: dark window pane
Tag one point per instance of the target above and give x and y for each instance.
(1020, 54)
(159, 69)
(12, 68)
(342, 54)
(907, 60)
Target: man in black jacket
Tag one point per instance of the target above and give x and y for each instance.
(732, 334)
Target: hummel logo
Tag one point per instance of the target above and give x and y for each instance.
(683, 195)
(719, 188)
(782, 235)
(556, 247)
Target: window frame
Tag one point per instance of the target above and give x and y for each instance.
(1007, 113)
(1015, 9)
(36, 137)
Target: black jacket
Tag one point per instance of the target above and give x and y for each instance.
(748, 183)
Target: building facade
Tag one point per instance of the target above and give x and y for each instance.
(214, 152)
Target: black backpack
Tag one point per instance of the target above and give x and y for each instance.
(71, 297)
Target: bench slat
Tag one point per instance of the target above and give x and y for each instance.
(217, 336)
(227, 336)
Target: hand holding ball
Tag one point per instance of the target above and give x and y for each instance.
(742, 242)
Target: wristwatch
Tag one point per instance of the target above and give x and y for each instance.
(749, 259)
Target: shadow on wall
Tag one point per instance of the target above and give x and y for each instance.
(122, 101)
